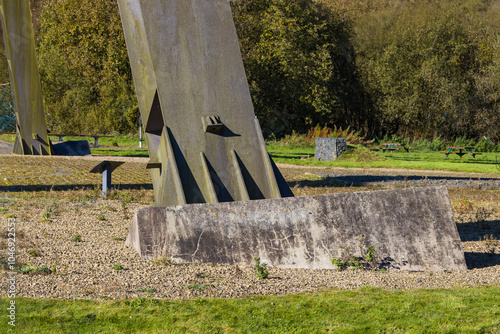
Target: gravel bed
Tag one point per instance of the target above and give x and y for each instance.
(82, 242)
(87, 268)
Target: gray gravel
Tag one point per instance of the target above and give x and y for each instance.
(85, 269)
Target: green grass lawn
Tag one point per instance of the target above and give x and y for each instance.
(372, 310)
(121, 152)
(363, 158)
(117, 141)
(487, 163)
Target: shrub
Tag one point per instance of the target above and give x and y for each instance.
(484, 145)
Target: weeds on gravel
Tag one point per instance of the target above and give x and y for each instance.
(77, 238)
(490, 243)
(125, 209)
(28, 269)
(34, 252)
(200, 287)
(118, 267)
(464, 206)
(164, 261)
(49, 212)
(147, 290)
(261, 269)
(347, 259)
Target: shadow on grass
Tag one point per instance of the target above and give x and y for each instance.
(326, 182)
(117, 187)
(476, 231)
(452, 160)
(298, 156)
(481, 260)
(411, 180)
(391, 178)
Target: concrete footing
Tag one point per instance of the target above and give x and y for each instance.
(410, 229)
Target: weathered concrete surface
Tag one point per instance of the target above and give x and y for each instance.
(31, 131)
(411, 229)
(204, 141)
(329, 148)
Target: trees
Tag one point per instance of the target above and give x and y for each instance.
(422, 65)
(300, 65)
(419, 68)
(86, 78)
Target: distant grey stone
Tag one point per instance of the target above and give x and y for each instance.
(329, 148)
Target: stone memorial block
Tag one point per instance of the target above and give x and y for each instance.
(329, 149)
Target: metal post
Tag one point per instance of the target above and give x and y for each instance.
(106, 179)
(140, 132)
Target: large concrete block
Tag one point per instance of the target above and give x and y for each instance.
(411, 229)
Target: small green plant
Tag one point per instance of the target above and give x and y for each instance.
(34, 252)
(118, 267)
(347, 259)
(370, 254)
(261, 269)
(200, 287)
(355, 263)
(49, 211)
(125, 209)
(147, 290)
(10, 216)
(118, 239)
(28, 269)
(490, 242)
(339, 263)
(45, 216)
(164, 261)
(77, 238)
(102, 217)
(4, 209)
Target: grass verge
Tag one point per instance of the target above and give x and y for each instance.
(361, 157)
(139, 152)
(473, 310)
